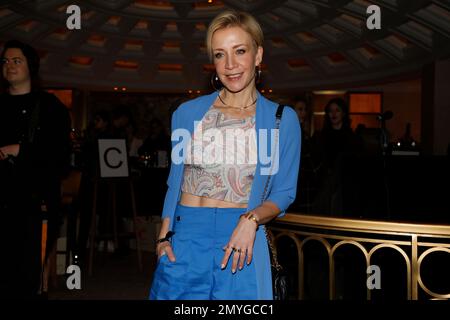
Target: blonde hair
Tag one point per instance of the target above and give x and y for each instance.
(231, 18)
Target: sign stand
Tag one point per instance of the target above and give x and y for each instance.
(114, 171)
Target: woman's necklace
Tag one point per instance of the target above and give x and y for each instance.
(240, 108)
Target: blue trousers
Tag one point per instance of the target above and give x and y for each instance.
(200, 235)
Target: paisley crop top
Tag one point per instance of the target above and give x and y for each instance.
(221, 158)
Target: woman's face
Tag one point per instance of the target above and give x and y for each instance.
(336, 115)
(235, 57)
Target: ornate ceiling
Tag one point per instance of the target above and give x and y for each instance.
(155, 45)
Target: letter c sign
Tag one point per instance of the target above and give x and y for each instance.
(106, 159)
(113, 158)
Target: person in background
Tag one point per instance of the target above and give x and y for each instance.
(100, 128)
(306, 180)
(35, 151)
(303, 110)
(124, 127)
(157, 141)
(333, 147)
(211, 243)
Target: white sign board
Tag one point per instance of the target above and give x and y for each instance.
(113, 158)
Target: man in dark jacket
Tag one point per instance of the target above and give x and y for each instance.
(34, 156)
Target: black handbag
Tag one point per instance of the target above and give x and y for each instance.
(279, 275)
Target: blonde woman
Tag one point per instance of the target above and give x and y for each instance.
(212, 243)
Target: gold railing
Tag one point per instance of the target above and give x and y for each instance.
(413, 241)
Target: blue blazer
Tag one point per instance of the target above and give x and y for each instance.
(283, 185)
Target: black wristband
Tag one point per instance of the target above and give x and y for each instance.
(166, 238)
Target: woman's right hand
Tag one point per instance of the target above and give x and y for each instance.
(164, 248)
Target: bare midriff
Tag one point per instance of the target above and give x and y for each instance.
(191, 200)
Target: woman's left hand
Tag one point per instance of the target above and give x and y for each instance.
(240, 244)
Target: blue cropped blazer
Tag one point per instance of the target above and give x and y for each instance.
(283, 185)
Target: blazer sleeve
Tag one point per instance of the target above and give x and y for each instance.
(284, 183)
(171, 198)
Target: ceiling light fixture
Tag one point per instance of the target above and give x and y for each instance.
(329, 92)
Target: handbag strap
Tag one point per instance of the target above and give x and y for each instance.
(274, 260)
